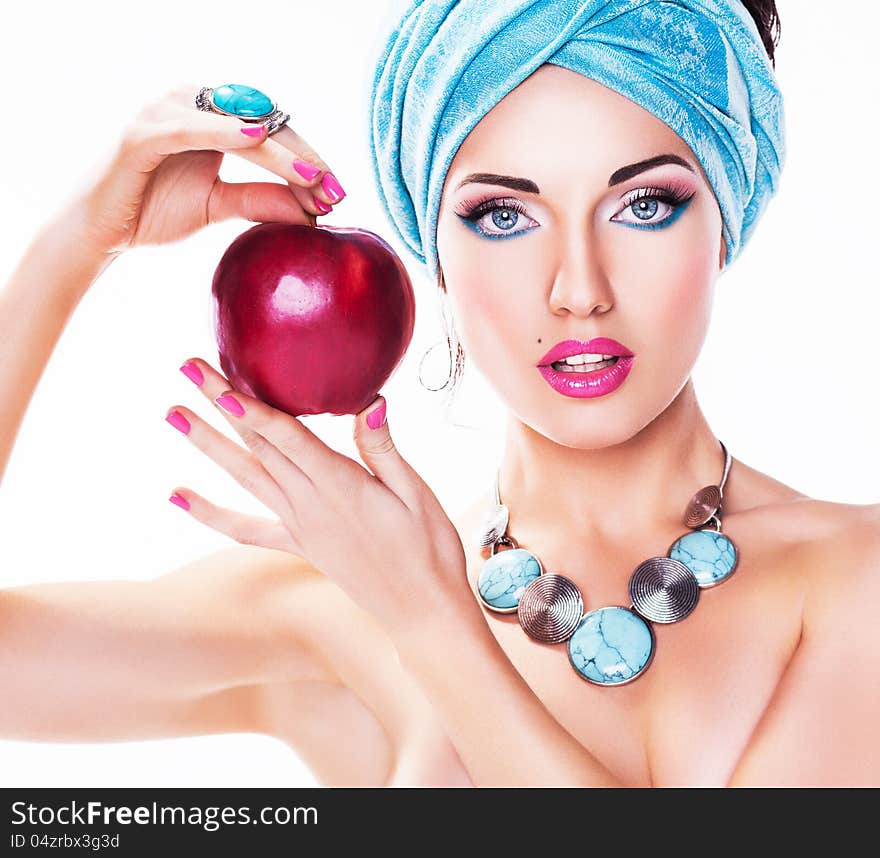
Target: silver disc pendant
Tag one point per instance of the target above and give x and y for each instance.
(494, 525)
(663, 590)
(703, 505)
(550, 608)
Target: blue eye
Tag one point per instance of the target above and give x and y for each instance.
(505, 215)
(644, 204)
(499, 218)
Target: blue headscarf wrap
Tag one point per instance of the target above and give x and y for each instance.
(698, 65)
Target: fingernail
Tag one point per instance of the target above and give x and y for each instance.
(252, 130)
(181, 501)
(376, 417)
(305, 169)
(331, 185)
(193, 373)
(322, 206)
(178, 421)
(230, 404)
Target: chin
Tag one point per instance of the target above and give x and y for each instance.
(580, 425)
(587, 436)
(595, 423)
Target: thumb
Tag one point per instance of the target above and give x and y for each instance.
(257, 201)
(376, 447)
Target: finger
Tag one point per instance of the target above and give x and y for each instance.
(290, 478)
(289, 164)
(146, 143)
(379, 453)
(324, 185)
(261, 202)
(309, 203)
(243, 467)
(298, 445)
(285, 153)
(245, 529)
(184, 97)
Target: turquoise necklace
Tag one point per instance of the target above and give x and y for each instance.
(611, 645)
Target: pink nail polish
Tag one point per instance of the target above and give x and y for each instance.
(331, 185)
(322, 206)
(305, 169)
(376, 417)
(230, 404)
(193, 373)
(178, 421)
(181, 501)
(252, 130)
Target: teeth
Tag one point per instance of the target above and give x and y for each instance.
(577, 360)
(591, 366)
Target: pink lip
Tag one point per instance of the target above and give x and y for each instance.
(596, 346)
(587, 384)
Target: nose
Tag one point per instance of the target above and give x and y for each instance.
(581, 285)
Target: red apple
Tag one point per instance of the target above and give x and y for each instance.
(311, 320)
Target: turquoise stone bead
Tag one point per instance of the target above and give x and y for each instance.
(504, 577)
(242, 101)
(710, 555)
(611, 646)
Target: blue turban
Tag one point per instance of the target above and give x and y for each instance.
(698, 65)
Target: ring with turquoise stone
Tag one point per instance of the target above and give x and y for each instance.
(243, 102)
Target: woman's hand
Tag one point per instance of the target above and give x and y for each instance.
(162, 182)
(382, 536)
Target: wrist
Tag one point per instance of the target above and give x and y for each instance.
(453, 615)
(65, 242)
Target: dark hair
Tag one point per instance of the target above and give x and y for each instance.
(770, 29)
(767, 20)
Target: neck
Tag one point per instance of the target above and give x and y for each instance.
(606, 494)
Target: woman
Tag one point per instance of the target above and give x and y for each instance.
(434, 686)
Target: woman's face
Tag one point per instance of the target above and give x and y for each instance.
(577, 258)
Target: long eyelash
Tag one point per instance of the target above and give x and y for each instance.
(487, 204)
(673, 194)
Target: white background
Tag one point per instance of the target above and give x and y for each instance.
(787, 376)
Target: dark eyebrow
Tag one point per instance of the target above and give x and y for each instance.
(618, 176)
(526, 185)
(631, 170)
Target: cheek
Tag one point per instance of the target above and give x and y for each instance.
(485, 317)
(680, 313)
(677, 270)
(488, 317)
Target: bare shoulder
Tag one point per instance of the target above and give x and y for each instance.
(835, 547)
(827, 698)
(845, 565)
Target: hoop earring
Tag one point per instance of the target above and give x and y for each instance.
(449, 373)
(456, 360)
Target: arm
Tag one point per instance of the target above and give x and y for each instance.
(187, 653)
(502, 731)
(820, 728)
(118, 659)
(35, 305)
